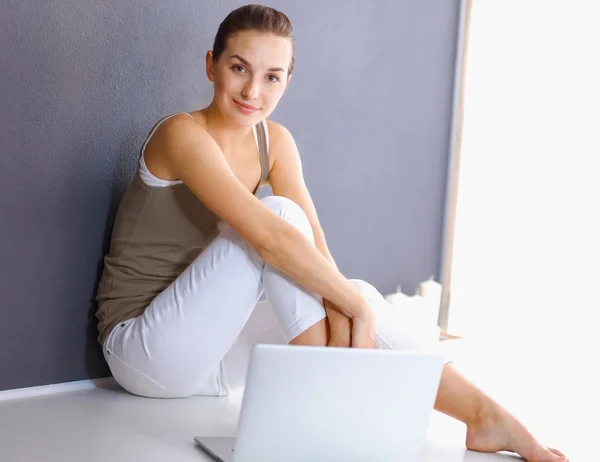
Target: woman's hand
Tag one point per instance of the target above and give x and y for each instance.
(340, 326)
(363, 331)
(344, 332)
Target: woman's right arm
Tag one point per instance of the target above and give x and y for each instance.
(191, 154)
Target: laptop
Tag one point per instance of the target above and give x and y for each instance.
(305, 403)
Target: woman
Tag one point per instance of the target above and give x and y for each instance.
(193, 248)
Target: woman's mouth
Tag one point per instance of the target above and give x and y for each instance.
(245, 108)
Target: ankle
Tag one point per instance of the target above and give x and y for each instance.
(486, 412)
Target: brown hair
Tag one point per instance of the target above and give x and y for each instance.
(258, 18)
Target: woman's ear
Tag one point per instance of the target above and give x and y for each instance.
(289, 78)
(210, 65)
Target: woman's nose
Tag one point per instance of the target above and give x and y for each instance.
(251, 89)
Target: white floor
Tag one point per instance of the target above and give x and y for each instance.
(110, 425)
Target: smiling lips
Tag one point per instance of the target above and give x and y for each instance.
(245, 108)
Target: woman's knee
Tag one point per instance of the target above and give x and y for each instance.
(290, 212)
(367, 290)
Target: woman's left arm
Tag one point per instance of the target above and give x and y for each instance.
(287, 179)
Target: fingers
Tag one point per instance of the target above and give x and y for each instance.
(362, 334)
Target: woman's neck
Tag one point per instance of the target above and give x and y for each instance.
(227, 134)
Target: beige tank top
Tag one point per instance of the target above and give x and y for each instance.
(158, 232)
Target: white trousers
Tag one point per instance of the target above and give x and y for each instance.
(195, 337)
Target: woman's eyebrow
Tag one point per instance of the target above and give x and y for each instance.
(272, 69)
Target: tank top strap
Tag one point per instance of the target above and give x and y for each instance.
(262, 135)
(156, 127)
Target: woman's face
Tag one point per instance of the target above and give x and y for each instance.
(250, 76)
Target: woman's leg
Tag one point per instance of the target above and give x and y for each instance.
(490, 427)
(176, 347)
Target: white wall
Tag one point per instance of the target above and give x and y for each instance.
(527, 253)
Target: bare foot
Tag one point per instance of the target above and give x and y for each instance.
(500, 431)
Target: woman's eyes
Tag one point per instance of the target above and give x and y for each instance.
(271, 77)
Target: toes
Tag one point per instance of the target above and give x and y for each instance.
(558, 453)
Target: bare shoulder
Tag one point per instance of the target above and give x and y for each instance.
(281, 141)
(174, 138)
(278, 134)
(181, 128)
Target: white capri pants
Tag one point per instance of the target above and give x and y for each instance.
(195, 337)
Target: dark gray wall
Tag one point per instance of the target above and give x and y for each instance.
(81, 83)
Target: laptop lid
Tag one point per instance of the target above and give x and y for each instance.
(305, 403)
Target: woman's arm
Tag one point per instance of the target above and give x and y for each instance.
(340, 326)
(192, 155)
(286, 179)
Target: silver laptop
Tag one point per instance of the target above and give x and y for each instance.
(304, 404)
